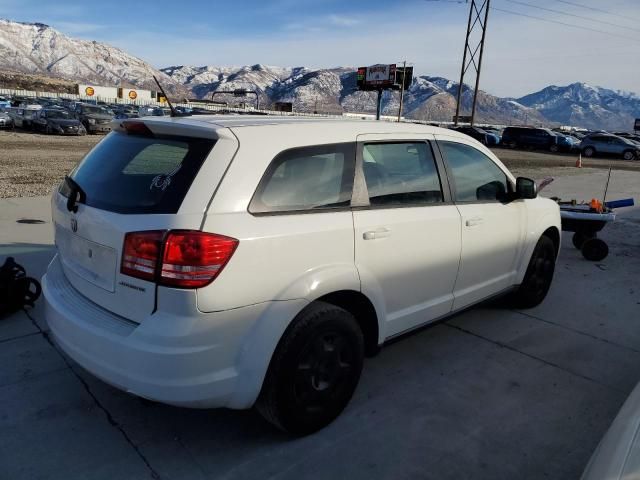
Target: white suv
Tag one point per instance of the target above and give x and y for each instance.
(232, 261)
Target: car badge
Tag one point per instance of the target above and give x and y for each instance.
(74, 225)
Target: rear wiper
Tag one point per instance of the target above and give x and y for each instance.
(76, 194)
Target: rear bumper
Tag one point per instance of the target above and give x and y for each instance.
(192, 360)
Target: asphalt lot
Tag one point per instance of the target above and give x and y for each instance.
(492, 393)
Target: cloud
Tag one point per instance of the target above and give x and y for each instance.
(343, 21)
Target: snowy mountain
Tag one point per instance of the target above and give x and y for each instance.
(587, 106)
(41, 51)
(334, 90)
(35, 48)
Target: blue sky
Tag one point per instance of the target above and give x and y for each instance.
(523, 54)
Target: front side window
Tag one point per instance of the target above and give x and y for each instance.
(475, 176)
(401, 173)
(308, 178)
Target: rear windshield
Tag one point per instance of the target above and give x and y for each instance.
(136, 174)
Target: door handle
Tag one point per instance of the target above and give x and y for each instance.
(472, 222)
(377, 233)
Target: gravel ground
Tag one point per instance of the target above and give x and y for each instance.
(33, 164)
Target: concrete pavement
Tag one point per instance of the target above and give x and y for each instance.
(491, 393)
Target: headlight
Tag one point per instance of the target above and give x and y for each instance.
(91, 121)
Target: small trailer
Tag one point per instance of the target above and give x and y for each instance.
(586, 221)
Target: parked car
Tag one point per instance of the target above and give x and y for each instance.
(256, 260)
(607, 144)
(629, 136)
(17, 116)
(126, 111)
(4, 102)
(5, 120)
(94, 118)
(538, 138)
(617, 456)
(486, 138)
(57, 120)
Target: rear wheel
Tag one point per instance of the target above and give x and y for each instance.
(538, 277)
(589, 152)
(629, 155)
(553, 148)
(595, 249)
(314, 370)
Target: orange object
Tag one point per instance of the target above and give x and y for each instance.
(579, 161)
(596, 205)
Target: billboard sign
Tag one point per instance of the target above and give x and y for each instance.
(381, 75)
(89, 91)
(404, 75)
(636, 126)
(384, 76)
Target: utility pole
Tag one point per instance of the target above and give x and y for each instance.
(404, 73)
(477, 17)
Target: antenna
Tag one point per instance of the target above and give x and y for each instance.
(174, 113)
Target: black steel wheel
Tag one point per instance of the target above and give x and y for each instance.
(589, 152)
(579, 238)
(314, 370)
(538, 277)
(595, 249)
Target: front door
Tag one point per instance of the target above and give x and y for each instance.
(492, 226)
(407, 231)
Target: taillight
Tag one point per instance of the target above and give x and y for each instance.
(141, 253)
(190, 259)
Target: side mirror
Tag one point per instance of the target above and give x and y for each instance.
(526, 188)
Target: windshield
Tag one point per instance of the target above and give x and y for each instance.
(136, 174)
(58, 114)
(98, 110)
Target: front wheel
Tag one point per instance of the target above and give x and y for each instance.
(629, 155)
(314, 370)
(589, 152)
(538, 277)
(553, 148)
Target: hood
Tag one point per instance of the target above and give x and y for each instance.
(98, 116)
(64, 122)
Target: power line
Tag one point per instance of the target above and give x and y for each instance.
(581, 27)
(595, 9)
(573, 15)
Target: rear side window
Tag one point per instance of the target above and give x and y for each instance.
(306, 179)
(135, 174)
(401, 173)
(476, 178)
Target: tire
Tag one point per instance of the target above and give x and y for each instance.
(595, 250)
(538, 277)
(579, 238)
(629, 155)
(589, 152)
(314, 370)
(554, 148)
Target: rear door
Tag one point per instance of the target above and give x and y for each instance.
(128, 183)
(407, 232)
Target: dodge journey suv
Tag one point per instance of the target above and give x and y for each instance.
(239, 261)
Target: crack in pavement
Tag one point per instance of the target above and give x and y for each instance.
(546, 362)
(112, 421)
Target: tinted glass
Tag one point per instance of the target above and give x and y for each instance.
(134, 174)
(475, 176)
(401, 173)
(308, 178)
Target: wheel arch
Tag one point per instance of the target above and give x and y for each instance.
(358, 305)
